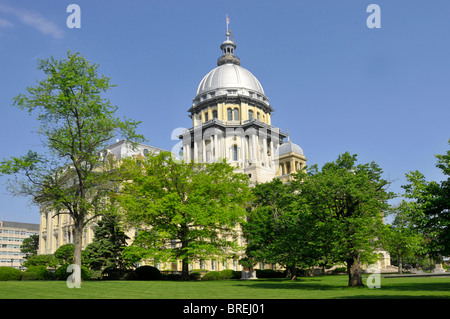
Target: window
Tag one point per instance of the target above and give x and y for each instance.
(236, 114)
(257, 116)
(214, 114)
(235, 153)
(250, 114)
(230, 114)
(206, 116)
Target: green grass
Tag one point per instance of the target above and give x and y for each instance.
(325, 287)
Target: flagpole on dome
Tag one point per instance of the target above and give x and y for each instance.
(228, 21)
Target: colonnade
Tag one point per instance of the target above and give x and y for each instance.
(238, 147)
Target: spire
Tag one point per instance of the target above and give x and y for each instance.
(228, 46)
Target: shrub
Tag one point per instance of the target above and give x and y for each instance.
(269, 273)
(148, 273)
(212, 275)
(62, 274)
(230, 274)
(36, 273)
(8, 273)
(195, 276)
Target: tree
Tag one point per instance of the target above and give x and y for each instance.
(430, 206)
(280, 230)
(105, 251)
(30, 246)
(184, 211)
(401, 239)
(76, 124)
(349, 201)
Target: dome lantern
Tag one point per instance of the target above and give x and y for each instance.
(228, 46)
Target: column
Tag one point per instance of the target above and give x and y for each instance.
(195, 151)
(272, 155)
(203, 151)
(265, 157)
(254, 149)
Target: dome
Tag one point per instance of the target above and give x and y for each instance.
(289, 147)
(230, 76)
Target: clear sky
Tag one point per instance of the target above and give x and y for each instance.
(335, 84)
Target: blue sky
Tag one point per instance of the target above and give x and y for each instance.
(336, 84)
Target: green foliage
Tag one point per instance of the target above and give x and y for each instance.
(212, 275)
(185, 204)
(9, 273)
(230, 274)
(269, 273)
(430, 205)
(37, 273)
(30, 246)
(62, 274)
(41, 260)
(195, 276)
(148, 273)
(105, 251)
(76, 124)
(64, 254)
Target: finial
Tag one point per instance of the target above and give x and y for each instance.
(288, 138)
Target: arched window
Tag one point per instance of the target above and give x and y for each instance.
(250, 114)
(236, 114)
(230, 114)
(214, 114)
(235, 153)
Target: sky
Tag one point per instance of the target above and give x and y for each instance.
(334, 83)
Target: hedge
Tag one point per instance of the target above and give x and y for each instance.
(8, 273)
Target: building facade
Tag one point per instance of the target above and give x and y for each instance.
(12, 235)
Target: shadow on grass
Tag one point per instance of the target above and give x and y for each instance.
(388, 290)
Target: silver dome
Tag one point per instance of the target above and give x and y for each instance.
(230, 76)
(289, 147)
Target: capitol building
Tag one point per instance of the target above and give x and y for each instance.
(231, 120)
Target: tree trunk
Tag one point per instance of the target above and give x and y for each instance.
(185, 269)
(78, 242)
(400, 264)
(354, 272)
(292, 272)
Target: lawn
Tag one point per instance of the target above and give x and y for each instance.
(323, 287)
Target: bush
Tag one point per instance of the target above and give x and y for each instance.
(8, 273)
(230, 274)
(37, 273)
(195, 276)
(62, 274)
(148, 273)
(213, 275)
(269, 273)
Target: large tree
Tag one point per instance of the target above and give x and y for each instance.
(184, 211)
(429, 205)
(402, 238)
(280, 230)
(349, 200)
(76, 124)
